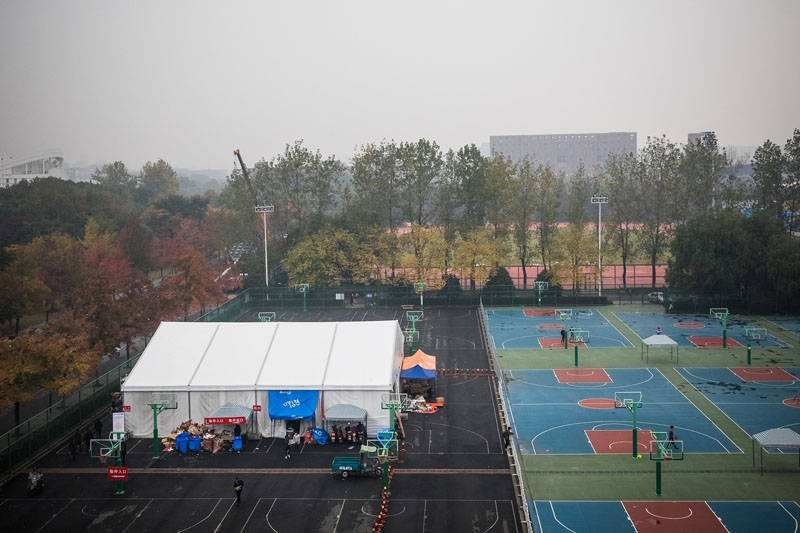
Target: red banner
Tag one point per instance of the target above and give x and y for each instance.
(257, 408)
(126, 408)
(224, 420)
(118, 473)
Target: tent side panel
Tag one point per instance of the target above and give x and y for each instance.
(139, 421)
(377, 418)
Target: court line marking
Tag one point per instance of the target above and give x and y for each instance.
(701, 412)
(778, 325)
(204, 519)
(632, 345)
(138, 515)
(557, 520)
(538, 518)
(670, 517)
(627, 326)
(56, 514)
(266, 516)
(790, 514)
(557, 386)
(339, 516)
(762, 384)
(224, 516)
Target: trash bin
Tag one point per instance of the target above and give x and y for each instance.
(195, 444)
(182, 442)
(237, 444)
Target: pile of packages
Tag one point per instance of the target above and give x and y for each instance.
(192, 428)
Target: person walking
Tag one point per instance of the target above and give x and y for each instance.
(77, 440)
(671, 438)
(507, 437)
(87, 439)
(98, 429)
(287, 441)
(563, 335)
(238, 485)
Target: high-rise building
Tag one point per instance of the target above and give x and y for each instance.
(41, 164)
(564, 152)
(697, 137)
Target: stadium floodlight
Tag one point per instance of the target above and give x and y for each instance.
(599, 200)
(264, 209)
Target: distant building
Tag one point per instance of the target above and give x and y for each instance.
(567, 151)
(697, 137)
(41, 164)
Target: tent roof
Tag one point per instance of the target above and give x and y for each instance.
(420, 358)
(230, 410)
(345, 411)
(778, 438)
(659, 340)
(203, 356)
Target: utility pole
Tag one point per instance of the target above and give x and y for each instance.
(599, 200)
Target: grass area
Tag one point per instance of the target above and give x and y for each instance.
(699, 476)
(24, 323)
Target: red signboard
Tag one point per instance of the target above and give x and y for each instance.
(118, 473)
(257, 408)
(224, 420)
(126, 408)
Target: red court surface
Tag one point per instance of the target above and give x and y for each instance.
(762, 373)
(582, 375)
(619, 441)
(677, 517)
(689, 325)
(712, 342)
(546, 342)
(550, 326)
(597, 403)
(538, 311)
(792, 402)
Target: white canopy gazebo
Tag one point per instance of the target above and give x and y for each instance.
(659, 340)
(778, 438)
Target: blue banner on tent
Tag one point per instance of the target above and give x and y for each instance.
(292, 404)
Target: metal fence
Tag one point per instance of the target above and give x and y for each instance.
(506, 419)
(26, 441)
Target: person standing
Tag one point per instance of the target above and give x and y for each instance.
(77, 440)
(87, 439)
(563, 335)
(72, 449)
(507, 437)
(98, 429)
(658, 331)
(287, 441)
(238, 485)
(123, 450)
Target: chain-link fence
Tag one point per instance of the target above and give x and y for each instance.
(27, 440)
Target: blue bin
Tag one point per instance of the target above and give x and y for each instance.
(237, 444)
(195, 444)
(182, 442)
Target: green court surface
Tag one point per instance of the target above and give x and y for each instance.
(717, 477)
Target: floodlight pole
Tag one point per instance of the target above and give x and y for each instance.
(599, 200)
(264, 209)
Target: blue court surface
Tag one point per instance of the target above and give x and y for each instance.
(788, 323)
(613, 517)
(548, 418)
(681, 327)
(511, 328)
(754, 406)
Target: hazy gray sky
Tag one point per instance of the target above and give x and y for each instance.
(189, 81)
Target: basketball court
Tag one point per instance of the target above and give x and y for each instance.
(579, 411)
(755, 398)
(790, 324)
(540, 328)
(701, 331)
(666, 516)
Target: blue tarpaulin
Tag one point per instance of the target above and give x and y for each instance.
(292, 404)
(417, 372)
(320, 436)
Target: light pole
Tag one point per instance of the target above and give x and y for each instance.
(599, 200)
(264, 209)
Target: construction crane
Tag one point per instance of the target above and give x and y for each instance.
(260, 208)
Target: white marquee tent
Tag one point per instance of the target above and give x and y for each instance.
(208, 364)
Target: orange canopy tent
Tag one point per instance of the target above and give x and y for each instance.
(419, 366)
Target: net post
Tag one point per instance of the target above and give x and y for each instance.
(658, 478)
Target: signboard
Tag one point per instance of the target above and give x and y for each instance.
(118, 423)
(257, 408)
(117, 473)
(340, 296)
(224, 420)
(126, 408)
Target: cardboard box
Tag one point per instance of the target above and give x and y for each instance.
(440, 399)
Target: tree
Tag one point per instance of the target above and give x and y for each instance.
(791, 154)
(660, 160)
(577, 244)
(55, 359)
(21, 291)
(328, 258)
(135, 242)
(700, 178)
(621, 178)
(469, 168)
(420, 164)
(426, 244)
(446, 204)
(499, 281)
(477, 253)
(114, 175)
(548, 196)
(195, 283)
(375, 187)
(499, 173)
(522, 198)
(768, 166)
(158, 180)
